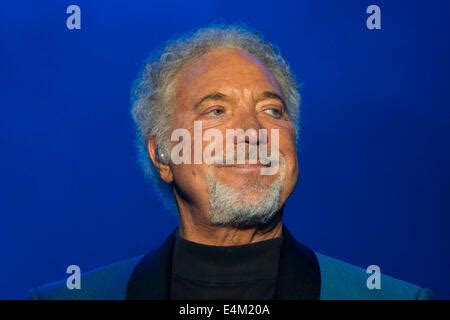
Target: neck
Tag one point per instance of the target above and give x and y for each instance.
(228, 236)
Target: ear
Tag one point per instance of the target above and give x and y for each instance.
(164, 170)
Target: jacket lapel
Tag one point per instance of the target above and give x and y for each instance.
(298, 272)
(150, 279)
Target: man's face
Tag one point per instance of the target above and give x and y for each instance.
(229, 89)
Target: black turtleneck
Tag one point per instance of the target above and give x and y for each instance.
(224, 273)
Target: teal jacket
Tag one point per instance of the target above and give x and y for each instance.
(303, 275)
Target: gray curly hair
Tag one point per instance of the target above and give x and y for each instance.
(153, 89)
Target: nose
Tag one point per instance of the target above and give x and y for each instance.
(249, 122)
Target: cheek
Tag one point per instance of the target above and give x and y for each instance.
(288, 150)
(292, 167)
(291, 173)
(186, 173)
(191, 179)
(184, 176)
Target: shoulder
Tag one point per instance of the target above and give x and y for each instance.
(341, 280)
(105, 283)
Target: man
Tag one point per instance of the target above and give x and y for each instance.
(231, 242)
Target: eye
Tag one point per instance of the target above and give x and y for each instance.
(274, 112)
(215, 112)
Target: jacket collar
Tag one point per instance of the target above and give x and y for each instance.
(298, 272)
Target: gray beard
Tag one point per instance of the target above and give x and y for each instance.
(243, 206)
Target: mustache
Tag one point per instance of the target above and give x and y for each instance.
(244, 158)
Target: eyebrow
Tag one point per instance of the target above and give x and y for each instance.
(215, 96)
(219, 96)
(271, 95)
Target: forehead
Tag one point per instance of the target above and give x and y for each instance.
(228, 70)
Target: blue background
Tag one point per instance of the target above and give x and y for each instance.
(375, 155)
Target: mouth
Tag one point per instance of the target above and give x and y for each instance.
(246, 167)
